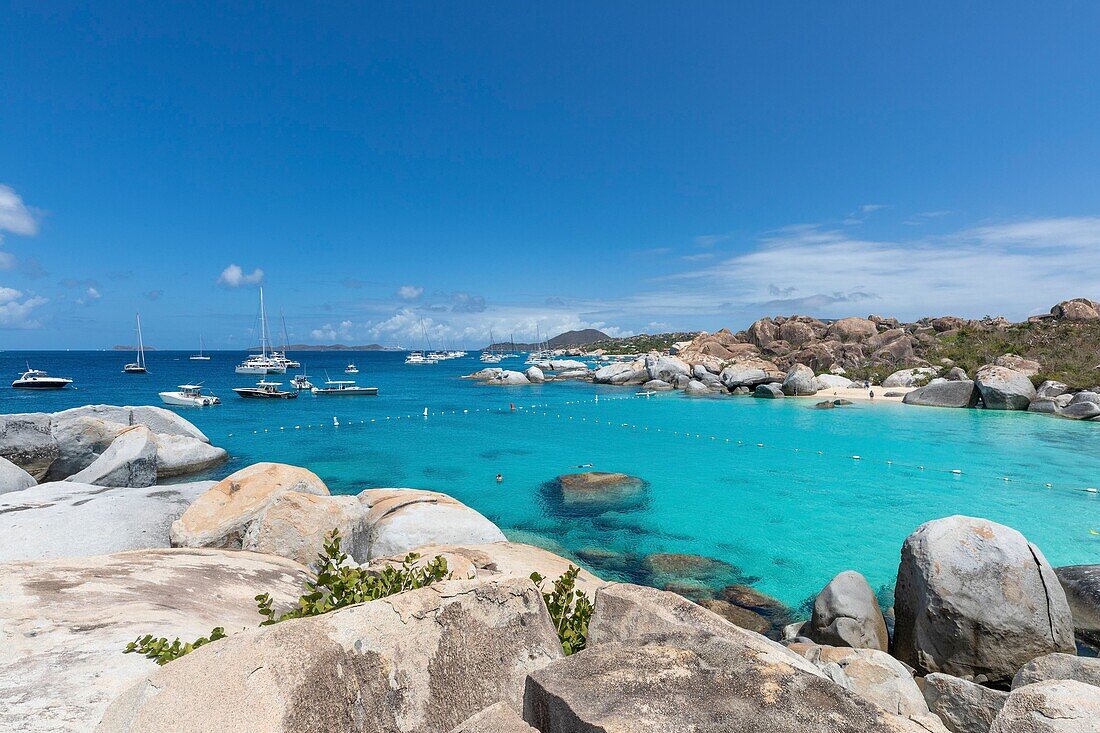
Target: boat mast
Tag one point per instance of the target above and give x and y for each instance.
(141, 345)
(263, 325)
(286, 338)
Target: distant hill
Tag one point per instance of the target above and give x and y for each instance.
(337, 347)
(132, 348)
(565, 340)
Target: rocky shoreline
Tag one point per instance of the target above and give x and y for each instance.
(980, 636)
(800, 356)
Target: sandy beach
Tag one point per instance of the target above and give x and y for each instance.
(862, 393)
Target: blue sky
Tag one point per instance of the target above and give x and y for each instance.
(489, 165)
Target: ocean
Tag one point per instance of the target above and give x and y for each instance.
(784, 494)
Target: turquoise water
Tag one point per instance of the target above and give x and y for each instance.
(788, 515)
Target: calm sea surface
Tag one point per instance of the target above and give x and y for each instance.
(787, 514)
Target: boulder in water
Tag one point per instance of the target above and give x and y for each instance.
(599, 487)
(768, 391)
(534, 375)
(1003, 388)
(961, 393)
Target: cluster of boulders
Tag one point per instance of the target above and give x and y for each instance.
(982, 634)
(554, 370)
(101, 445)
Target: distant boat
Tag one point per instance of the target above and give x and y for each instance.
(262, 363)
(137, 367)
(190, 395)
(417, 357)
(301, 381)
(36, 379)
(345, 388)
(199, 356)
(265, 389)
(351, 369)
(281, 357)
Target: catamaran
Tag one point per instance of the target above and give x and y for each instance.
(37, 379)
(265, 389)
(344, 387)
(137, 367)
(190, 395)
(199, 356)
(262, 363)
(422, 357)
(281, 357)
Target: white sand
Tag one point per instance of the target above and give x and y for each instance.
(861, 393)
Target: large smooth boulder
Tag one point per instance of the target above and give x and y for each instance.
(749, 373)
(1057, 706)
(846, 613)
(799, 381)
(67, 519)
(1081, 584)
(565, 365)
(715, 688)
(961, 393)
(695, 387)
(509, 378)
(1050, 389)
(496, 560)
(65, 622)
(420, 661)
(1003, 388)
(1080, 411)
(158, 419)
(534, 375)
(851, 329)
(295, 526)
(796, 333)
(870, 673)
(1027, 367)
(975, 599)
(1085, 396)
(222, 515)
(1059, 667)
(762, 332)
(962, 705)
(14, 478)
(498, 718)
(26, 441)
(666, 368)
(180, 455)
(832, 381)
(81, 439)
(769, 391)
(656, 385)
(401, 520)
(613, 373)
(909, 377)
(130, 460)
(1077, 309)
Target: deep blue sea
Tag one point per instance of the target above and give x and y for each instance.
(769, 486)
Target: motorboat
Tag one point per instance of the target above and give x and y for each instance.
(301, 381)
(418, 357)
(266, 390)
(489, 358)
(351, 369)
(189, 395)
(37, 379)
(199, 356)
(345, 388)
(264, 362)
(280, 357)
(137, 367)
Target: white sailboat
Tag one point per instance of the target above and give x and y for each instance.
(199, 356)
(137, 367)
(422, 357)
(262, 363)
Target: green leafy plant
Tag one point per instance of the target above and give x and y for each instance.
(334, 584)
(163, 651)
(569, 608)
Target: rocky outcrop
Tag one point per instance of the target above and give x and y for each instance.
(1061, 706)
(695, 387)
(68, 519)
(498, 718)
(799, 381)
(846, 613)
(1051, 389)
(222, 515)
(768, 391)
(975, 599)
(65, 622)
(617, 373)
(180, 455)
(666, 368)
(26, 441)
(851, 329)
(534, 375)
(81, 439)
(295, 526)
(1081, 584)
(400, 520)
(1003, 388)
(599, 487)
(1080, 411)
(1027, 367)
(961, 393)
(14, 478)
(1059, 667)
(963, 706)
(423, 660)
(507, 377)
(656, 385)
(831, 381)
(157, 419)
(1077, 309)
(749, 373)
(130, 460)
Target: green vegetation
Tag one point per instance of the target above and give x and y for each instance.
(1068, 351)
(569, 609)
(334, 585)
(640, 344)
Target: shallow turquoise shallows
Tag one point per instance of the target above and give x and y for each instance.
(787, 513)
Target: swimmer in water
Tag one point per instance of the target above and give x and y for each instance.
(584, 465)
(500, 478)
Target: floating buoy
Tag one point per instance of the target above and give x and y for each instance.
(855, 458)
(335, 422)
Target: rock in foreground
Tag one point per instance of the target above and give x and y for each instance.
(424, 661)
(1060, 706)
(846, 613)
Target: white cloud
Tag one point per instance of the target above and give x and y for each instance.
(16, 310)
(234, 277)
(409, 292)
(341, 332)
(90, 296)
(16, 218)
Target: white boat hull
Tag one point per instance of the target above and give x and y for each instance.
(260, 370)
(178, 398)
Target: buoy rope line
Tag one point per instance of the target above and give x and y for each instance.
(548, 410)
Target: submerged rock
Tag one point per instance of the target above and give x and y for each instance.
(681, 566)
(599, 487)
(423, 660)
(66, 621)
(975, 599)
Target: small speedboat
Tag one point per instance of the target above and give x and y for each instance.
(36, 379)
(351, 369)
(344, 388)
(189, 395)
(266, 390)
(301, 381)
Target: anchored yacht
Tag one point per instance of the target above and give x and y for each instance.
(36, 379)
(189, 395)
(346, 388)
(137, 367)
(265, 389)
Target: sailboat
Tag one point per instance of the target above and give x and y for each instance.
(199, 356)
(281, 356)
(261, 363)
(491, 356)
(137, 367)
(420, 357)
